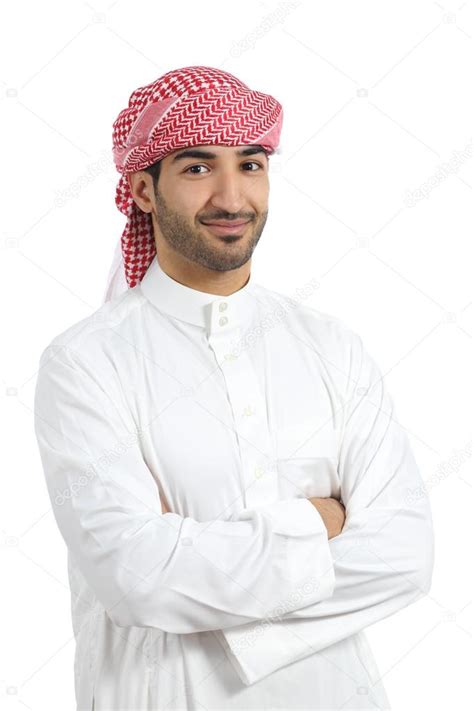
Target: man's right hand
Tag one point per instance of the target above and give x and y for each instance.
(332, 512)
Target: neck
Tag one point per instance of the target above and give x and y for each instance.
(201, 278)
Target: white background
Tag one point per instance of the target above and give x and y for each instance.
(369, 195)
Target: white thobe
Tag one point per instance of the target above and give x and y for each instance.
(235, 409)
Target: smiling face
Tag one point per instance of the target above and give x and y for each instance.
(207, 184)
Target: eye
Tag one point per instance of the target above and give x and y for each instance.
(195, 166)
(201, 165)
(252, 162)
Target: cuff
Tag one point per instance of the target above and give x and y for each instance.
(291, 517)
(258, 648)
(261, 648)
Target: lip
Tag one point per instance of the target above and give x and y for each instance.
(226, 228)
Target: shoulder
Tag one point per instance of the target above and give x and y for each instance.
(102, 331)
(327, 331)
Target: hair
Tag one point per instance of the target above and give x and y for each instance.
(154, 170)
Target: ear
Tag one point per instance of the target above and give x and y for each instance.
(139, 189)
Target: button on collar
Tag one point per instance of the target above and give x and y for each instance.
(199, 307)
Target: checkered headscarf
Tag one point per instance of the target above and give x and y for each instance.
(185, 107)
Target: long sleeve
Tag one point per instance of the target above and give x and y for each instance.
(383, 558)
(145, 567)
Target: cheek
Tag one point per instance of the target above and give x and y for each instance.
(190, 209)
(258, 195)
(195, 206)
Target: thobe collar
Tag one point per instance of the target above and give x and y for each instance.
(214, 312)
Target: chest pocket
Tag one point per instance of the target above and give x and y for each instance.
(307, 460)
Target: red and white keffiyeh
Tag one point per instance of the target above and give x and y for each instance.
(183, 108)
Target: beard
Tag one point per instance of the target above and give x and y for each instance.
(196, 244)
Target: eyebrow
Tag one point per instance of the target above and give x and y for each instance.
(207, 155)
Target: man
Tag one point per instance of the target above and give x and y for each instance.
(224, 463)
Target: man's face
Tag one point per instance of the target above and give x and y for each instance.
(206, 184)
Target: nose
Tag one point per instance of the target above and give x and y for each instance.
(227, 195)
